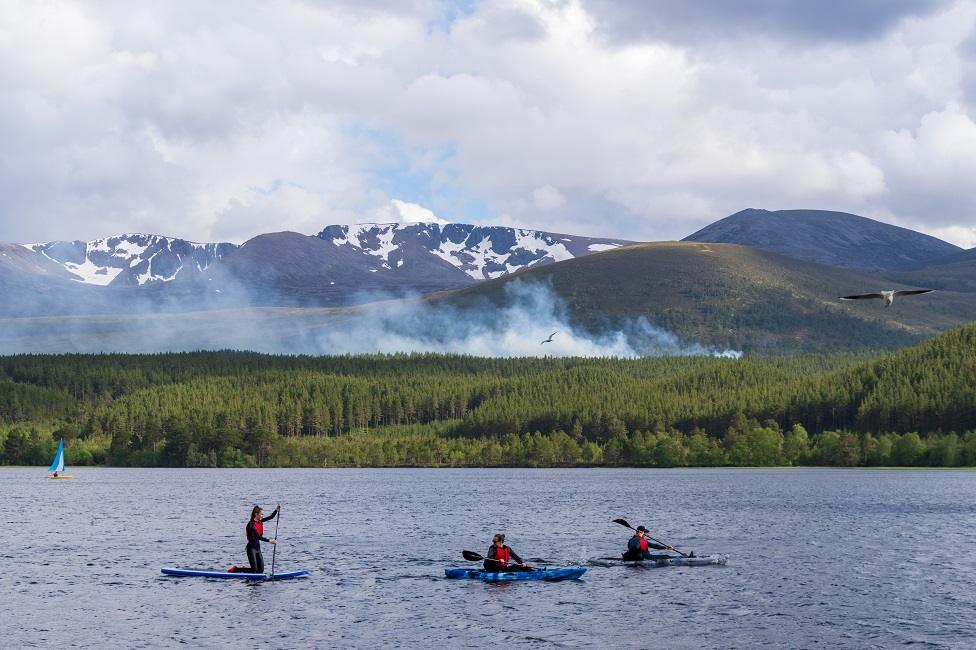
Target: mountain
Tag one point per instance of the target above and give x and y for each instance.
(722, 296)
(32, 284)
(131, 259)
(832, 238)
(730, 296)
(954, 272)
(343, 264)
(480, 252)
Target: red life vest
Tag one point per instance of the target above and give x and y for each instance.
(258, 529)
(502, 554)
(643, 544)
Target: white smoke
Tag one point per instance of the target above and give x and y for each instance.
(529, 313)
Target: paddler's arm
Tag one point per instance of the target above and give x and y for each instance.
(272, 515)
(515, 556)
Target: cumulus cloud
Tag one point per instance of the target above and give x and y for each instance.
(852, 20)
(640, 120)
(406, 212)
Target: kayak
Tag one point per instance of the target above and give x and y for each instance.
(665, 560)
(198, 573)
(549, 575)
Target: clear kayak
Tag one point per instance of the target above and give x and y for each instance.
(664, 560)
(549, 575)
(204, 573)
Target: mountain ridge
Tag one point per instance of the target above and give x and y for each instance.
(828, 237)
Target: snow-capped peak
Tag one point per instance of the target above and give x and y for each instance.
(481, 252)
(131, 258)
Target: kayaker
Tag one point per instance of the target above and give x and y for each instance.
(255, 535)
(501, 558)
(638, 548)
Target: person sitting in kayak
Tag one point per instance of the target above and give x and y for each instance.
(254, 531)
(503, 559)
(638, 548)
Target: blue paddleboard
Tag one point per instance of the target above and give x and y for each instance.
(198, 573)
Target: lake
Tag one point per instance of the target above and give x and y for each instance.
(818, 558)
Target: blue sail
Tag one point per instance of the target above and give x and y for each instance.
(58, 464)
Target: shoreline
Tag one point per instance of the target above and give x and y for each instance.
(77, 468)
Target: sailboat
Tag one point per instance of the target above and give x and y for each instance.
(57, 466)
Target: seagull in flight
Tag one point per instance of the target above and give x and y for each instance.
(888, 296)
(549, 340)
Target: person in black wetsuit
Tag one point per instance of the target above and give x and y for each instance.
(503, 559)
(638, 548)
(255, 535)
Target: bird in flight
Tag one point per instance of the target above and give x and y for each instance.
(549, 340)
(888, 296)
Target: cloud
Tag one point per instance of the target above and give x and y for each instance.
(635, 120)
(405, 212)
(548, 197)
(849, 21)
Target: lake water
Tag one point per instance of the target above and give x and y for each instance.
(819, 558)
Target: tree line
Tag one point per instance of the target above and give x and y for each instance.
(230, 408)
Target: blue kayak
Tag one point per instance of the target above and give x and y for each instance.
(549, 575)
(198, 573)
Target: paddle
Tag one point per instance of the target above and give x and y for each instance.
(275, 545)
(623, 522)
(475, 557)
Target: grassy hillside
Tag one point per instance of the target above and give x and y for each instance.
(956, 272)
(732, 296)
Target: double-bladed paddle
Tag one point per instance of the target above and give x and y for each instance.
(623, 522)
(476, 557)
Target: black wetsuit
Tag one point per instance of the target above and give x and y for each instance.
(634, 551)
(493, 564)
(254, 539)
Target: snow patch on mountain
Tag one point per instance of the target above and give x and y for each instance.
(90, 273)
(480, 252)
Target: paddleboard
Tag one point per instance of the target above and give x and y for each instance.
(204, 573)
(63, 476)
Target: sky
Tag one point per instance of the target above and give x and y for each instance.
(637, 119)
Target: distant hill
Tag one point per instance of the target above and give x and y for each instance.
(954, 272)
(832, 238)
(32, 284)
(731, 296)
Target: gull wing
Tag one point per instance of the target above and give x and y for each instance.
(913, 292)
(863, 296)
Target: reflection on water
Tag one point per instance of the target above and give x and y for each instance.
(830, 558)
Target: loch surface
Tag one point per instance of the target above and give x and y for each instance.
(819, 558)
